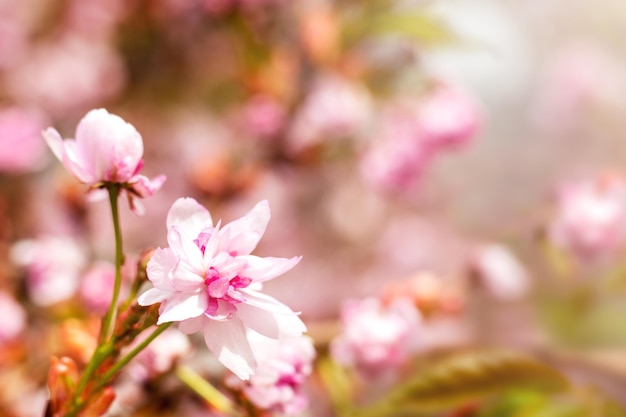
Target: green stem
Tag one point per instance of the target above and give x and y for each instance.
(101, 353)
(109, 319)
(130, 355)
(204, 389)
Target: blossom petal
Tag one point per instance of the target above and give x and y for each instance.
(265, 302)
(112, 145)
(189, 216)
(227, 340)
(185, 248)
(73, 163)
(271, 324)
(152, 296)
(263, 269)
(159, 266)
(245, 233)
(54, 141)
(146, 187)
(191, 325)
(182, 306)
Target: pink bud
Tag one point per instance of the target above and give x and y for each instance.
(106, 149)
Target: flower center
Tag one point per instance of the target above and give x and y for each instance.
(222, 281)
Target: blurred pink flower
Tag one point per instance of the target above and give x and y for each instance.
(207, 280)
(21, 147)
(160, 355)
(394, 163)
(283, 368)
(579, 78)
(96, 286)
(264, 116)
(590, 216)
(335, 108)
(397, 154)
(13, 317)
(375, 337)
(106, 149)
(448, 116)
(500, 272)
(92, 71)
(53, 266)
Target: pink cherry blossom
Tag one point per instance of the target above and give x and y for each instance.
(375, 337)
(335, 108)
(207, 280)
(590, 216)
(277, 385)
(107, 149)
(448, 117)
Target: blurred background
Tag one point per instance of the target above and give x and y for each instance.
(467, 154)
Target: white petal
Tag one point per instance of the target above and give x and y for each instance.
(192, 325)
(263, 269)
(265, 302)
(76, 164)
(152, 296)
(182, 306)
(227, 340)
(189, 216)
(186, 249)
(185, 278)
(54, 141)
(273, 325)
(245, 233)
(159, 266)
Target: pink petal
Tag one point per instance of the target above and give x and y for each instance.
(73, 163)
(227, 340)
(263, 269)
(145, 187)
(159, 266)
(245, 233)
(189, 216)
(192, 325)
(182, 306)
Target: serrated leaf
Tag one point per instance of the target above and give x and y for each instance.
(471, 377)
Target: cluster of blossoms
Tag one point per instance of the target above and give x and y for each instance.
(412, 132)
(375, 337)
(277, 385)
(206, 279)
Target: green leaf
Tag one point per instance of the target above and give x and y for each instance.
(471, 377)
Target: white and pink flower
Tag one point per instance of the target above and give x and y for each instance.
(277, 385)
(375, 337)
(590, 217)
(106, 149)
(207, 280)
(448, 116)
